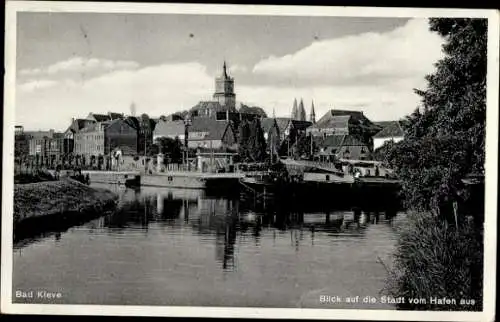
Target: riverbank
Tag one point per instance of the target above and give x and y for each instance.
(50, 204)
(434, 260)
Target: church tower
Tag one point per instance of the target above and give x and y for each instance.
(224, 90)
(295, 110)
(301, 112)
(312, 116)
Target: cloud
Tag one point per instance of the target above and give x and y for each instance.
(371, 72)
(80, 65)
(36, 85)
(156, 90)
(388, 102)
(238, 69)
(368, 58)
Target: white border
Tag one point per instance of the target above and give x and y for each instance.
(488, 314)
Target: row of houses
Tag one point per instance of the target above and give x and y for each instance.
(340, 133)
(345, 134)
(211, 124)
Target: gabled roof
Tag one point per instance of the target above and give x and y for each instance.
(283, 123)
(301, 125)
(169, 128)
(267, 123)
(79, 124)
(215, 129)
(101, 117)
(383, 124)
(390, 130)
(343, 119)
(336, 141)
(115, 116)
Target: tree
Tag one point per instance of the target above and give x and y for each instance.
(243, 140)
(171, 148)
(252, 110)
(257, 142)
(302, 146)
(382, 153)
(445, 138)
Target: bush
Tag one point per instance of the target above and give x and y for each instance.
(434, 260)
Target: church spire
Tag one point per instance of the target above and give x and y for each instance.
(224, 70)
(294, 110)
(312, 116)
(274, 113)
(301, 111)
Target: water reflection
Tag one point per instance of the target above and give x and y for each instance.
(225, 219)
(168, 234)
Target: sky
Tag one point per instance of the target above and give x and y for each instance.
(71, 64)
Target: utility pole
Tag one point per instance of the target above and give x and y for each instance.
(311, 144)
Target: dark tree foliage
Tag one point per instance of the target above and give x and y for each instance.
(171, 148)
(288, 143)
(445, 139)
(257, 141)
(303, 146)
(252, 110)
(243, 138)
(382, 153)
(251, 141)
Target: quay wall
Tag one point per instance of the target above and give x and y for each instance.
(55, 201)
(191, 180)
(111, 176)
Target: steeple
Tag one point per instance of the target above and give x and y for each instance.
(312, 116)
(224, 71)
(224, 90)
(294, 110)
(301, 111)
(274, 114)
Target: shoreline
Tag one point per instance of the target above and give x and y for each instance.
(50, 205)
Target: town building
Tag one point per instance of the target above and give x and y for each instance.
(342, 147)
(202, 133)
(105, 117)
(76, 126)
(48, 147)
(292, 127)
(144, 125)
(18, 129)
(55, 148)
(343, 122)
(21, 142)
(102, 138)
(391, 131)
(224, 90)
(37, 142)
(223, 104)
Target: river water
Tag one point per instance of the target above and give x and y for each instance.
(183, 247)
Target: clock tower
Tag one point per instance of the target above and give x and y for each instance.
(224, 90)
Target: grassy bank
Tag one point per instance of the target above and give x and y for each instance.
(433, 261)
(52, 202)
(40, 176)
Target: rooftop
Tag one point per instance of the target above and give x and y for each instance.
(390, 129)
